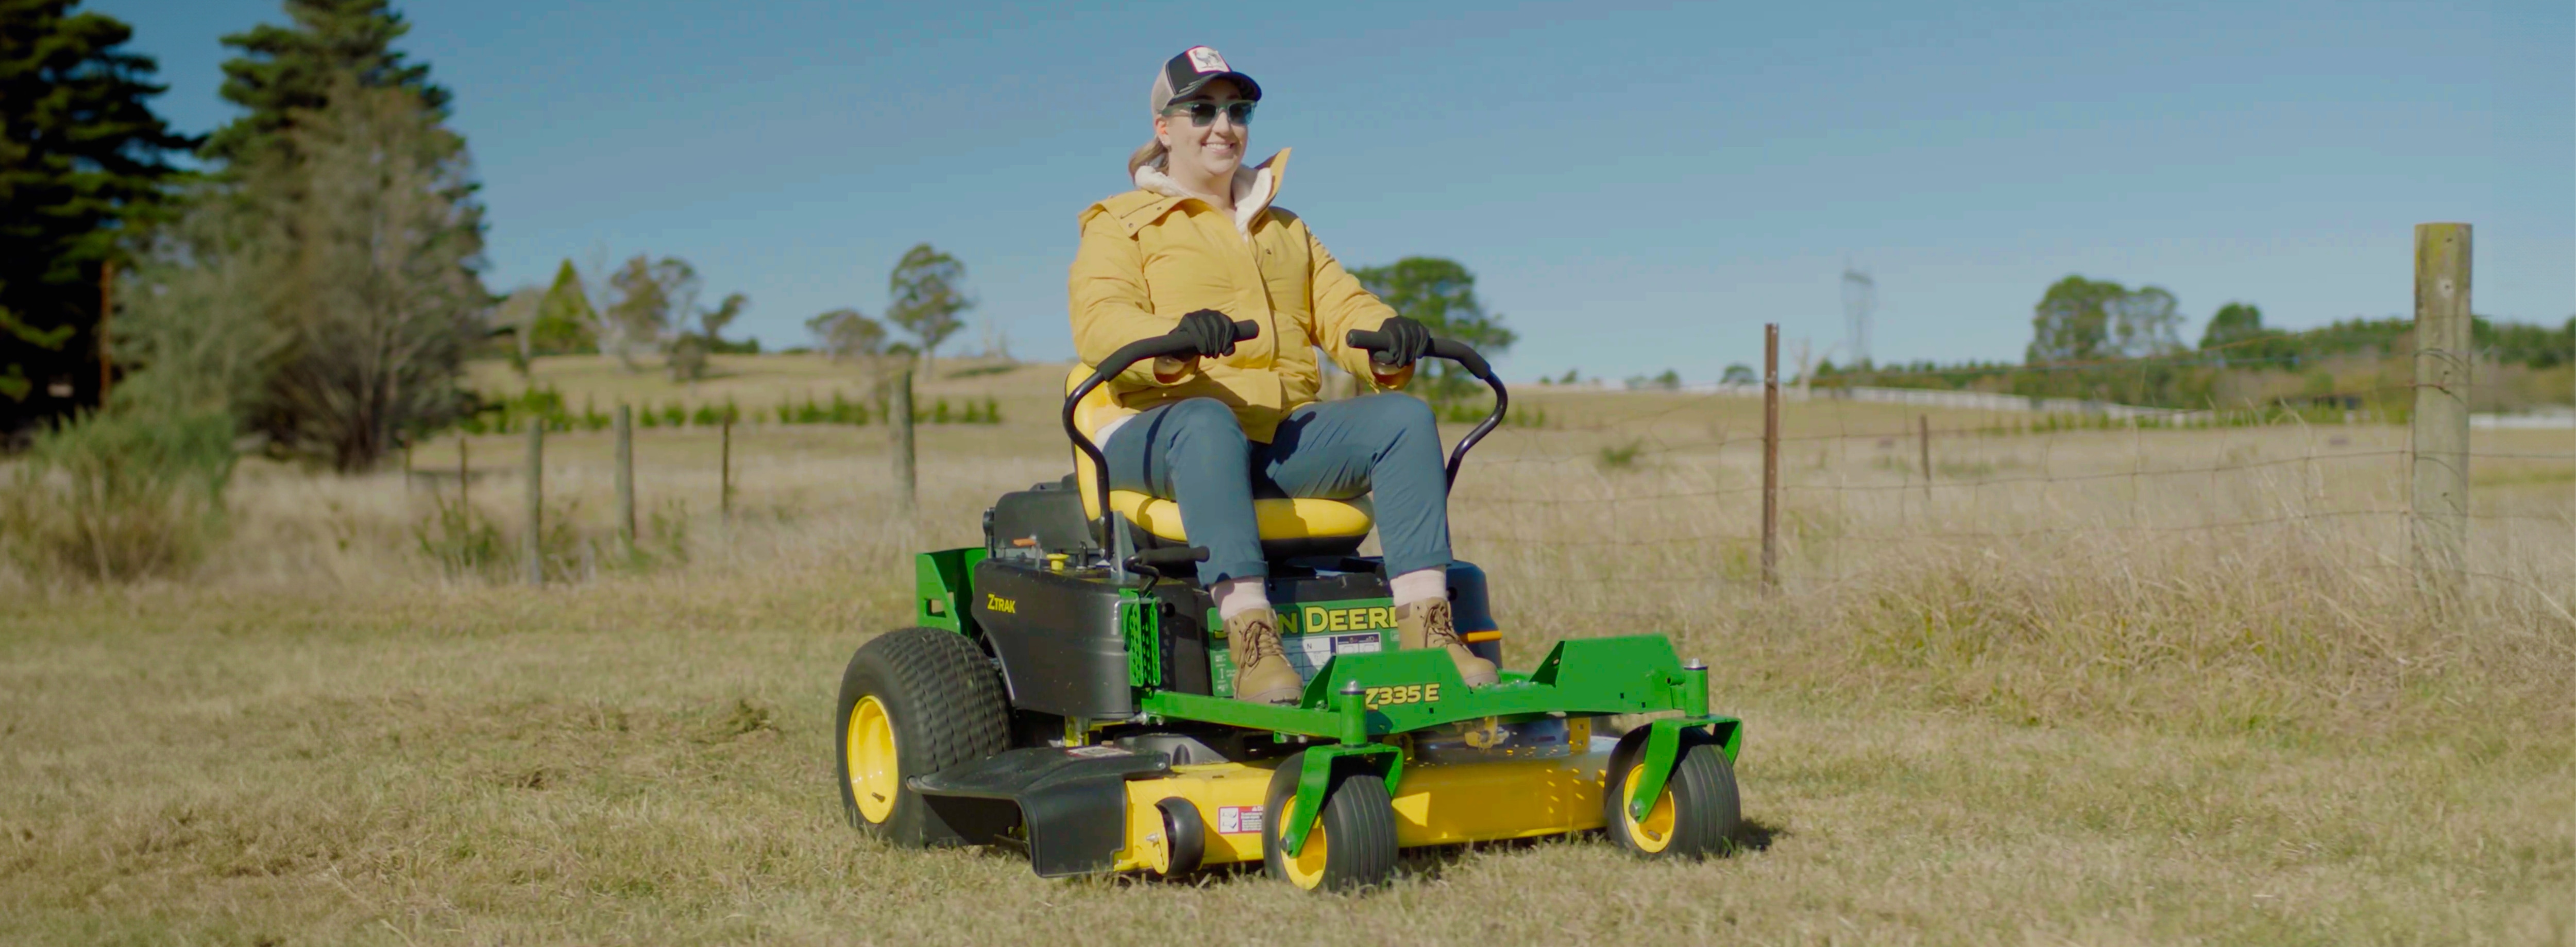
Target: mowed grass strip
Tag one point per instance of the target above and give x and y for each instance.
(475, 767)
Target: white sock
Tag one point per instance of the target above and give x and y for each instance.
(1420, 585)
(1237, 596)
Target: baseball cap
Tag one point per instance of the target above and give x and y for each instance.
(1184, 75)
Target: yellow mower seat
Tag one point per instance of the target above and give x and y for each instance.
(1300, 518)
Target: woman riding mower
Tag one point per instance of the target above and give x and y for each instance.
(1196, 246)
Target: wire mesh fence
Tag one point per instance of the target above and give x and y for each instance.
(1651, 490)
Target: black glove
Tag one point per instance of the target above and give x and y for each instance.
(1210, 332)
(1407, 342)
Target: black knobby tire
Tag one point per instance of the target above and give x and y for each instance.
(1356, 833)
(943, 702)
(1704, 815)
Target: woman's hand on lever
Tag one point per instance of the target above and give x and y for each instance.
(1210, 331)
(1407, 342)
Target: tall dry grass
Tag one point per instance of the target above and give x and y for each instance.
(2094, 688)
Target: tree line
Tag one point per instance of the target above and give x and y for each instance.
(647, 306)
(314, 282)
(2098, 339)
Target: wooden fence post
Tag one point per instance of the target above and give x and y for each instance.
(1770, 458)
(533, 548)
(2439, 438)
(464, 476)
(1923, 428)
(626, 478)
(902, 418)
(724, 471)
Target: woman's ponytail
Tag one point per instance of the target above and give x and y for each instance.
(1152, 153)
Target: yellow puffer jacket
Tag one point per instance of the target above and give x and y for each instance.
(1154, 254)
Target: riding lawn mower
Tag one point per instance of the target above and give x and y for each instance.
(1067, 692)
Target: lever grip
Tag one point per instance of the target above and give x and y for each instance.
(1371, 340)
(1170, 343)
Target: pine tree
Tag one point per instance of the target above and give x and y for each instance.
(286, 70)
(82, 160)
(564, 317)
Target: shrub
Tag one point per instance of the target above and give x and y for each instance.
(465, 543)
(1623, 456)
(461, 542)
(119, 496)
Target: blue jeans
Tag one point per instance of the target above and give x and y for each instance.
(1193, 453)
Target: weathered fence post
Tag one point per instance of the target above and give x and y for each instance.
(464, 477)
(902, 417)
(1923, 438)
(724, 471)
(1770, 458)
(533, 548)
(626, 479)
(2440, 436)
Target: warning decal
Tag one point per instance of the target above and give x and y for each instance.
(1231, 820)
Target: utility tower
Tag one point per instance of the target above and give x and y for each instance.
(1860, 298)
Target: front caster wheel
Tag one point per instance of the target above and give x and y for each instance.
(1182, 845)
(1352, 845)
(1695, 816)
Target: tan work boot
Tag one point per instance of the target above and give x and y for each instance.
(1429, 625)
(1261, 671)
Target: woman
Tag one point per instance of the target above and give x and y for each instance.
(1194, 247)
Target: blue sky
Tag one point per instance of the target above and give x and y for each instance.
(1636, 188)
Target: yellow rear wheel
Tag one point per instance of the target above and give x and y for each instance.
(873, 761)
(913, 702)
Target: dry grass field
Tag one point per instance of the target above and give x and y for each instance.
(2109, 687)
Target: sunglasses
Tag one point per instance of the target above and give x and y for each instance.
(1202, 114)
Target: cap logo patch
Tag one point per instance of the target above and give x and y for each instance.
(1206, 60)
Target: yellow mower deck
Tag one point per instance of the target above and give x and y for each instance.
(1435, 804)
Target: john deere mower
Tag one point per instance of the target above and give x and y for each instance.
(1067, 692)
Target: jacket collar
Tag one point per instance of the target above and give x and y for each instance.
(1254, 187)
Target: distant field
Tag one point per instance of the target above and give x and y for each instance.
(2101, 687)
(756, 382)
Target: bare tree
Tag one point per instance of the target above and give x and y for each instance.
(197, 318)
(643, 295)
(517, 315)
(929, 291)
(386, 301)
